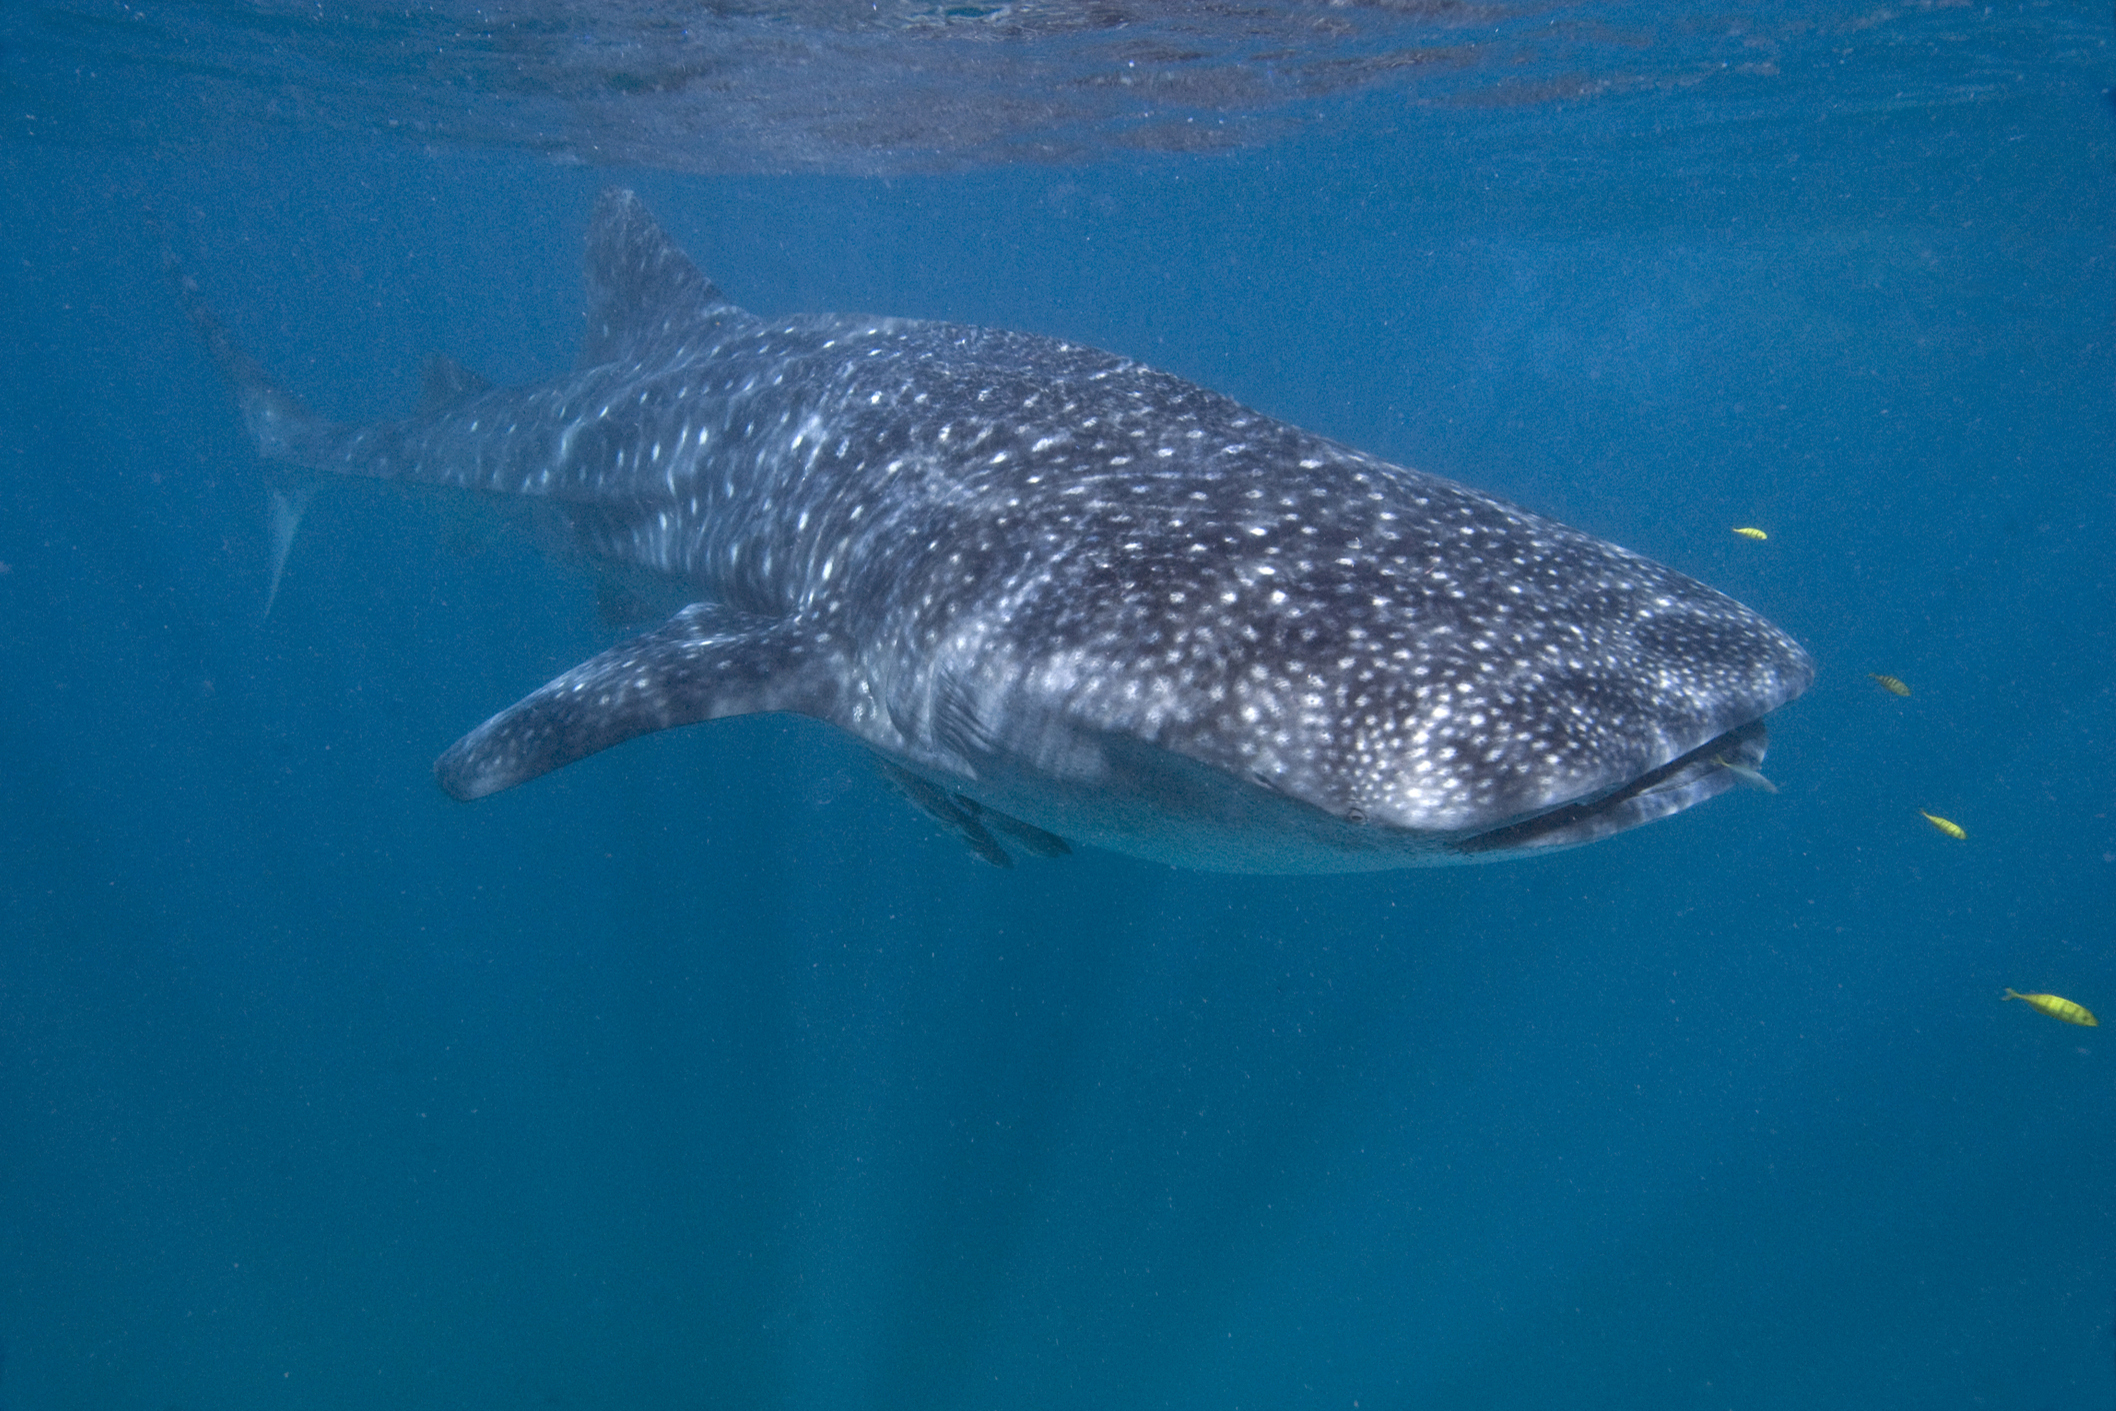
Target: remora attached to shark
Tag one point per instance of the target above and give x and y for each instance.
(1063, 595)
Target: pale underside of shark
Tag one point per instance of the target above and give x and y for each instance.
(1065, 596)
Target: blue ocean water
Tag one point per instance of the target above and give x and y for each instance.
(705, 1073)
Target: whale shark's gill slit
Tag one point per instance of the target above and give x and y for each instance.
(1689, 779)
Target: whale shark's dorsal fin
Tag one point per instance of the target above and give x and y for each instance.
(641, 288)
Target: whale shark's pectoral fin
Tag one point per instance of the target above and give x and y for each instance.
(970, 820)
(704, 663)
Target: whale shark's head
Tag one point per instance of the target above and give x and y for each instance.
(1424, 669)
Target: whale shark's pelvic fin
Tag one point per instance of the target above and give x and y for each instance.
(706, 662)
(954, 812)
(970, 820)
(1028, 835)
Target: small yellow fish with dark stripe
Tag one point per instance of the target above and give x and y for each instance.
(2058, 1007)
(1890, 684)
(1751, 532)
(1948, 826)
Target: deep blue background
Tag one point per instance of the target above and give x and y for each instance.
(707, 1074)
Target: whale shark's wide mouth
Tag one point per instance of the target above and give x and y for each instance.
(1709, 769)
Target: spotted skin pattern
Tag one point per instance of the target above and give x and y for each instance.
(1076, 591)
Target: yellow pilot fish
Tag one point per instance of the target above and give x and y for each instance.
(1946, 825)
(1747, 775)
(2058, 1007)
(1748, 532)
(1890, 684)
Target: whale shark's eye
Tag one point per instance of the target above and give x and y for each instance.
(1355, 816)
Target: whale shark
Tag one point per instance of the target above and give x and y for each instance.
(1063, 597)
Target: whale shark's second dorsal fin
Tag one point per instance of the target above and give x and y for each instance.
(641, 288)
(446, 383)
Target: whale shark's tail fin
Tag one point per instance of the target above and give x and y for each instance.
(287, 508)
(284, 429)
(641, 288)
